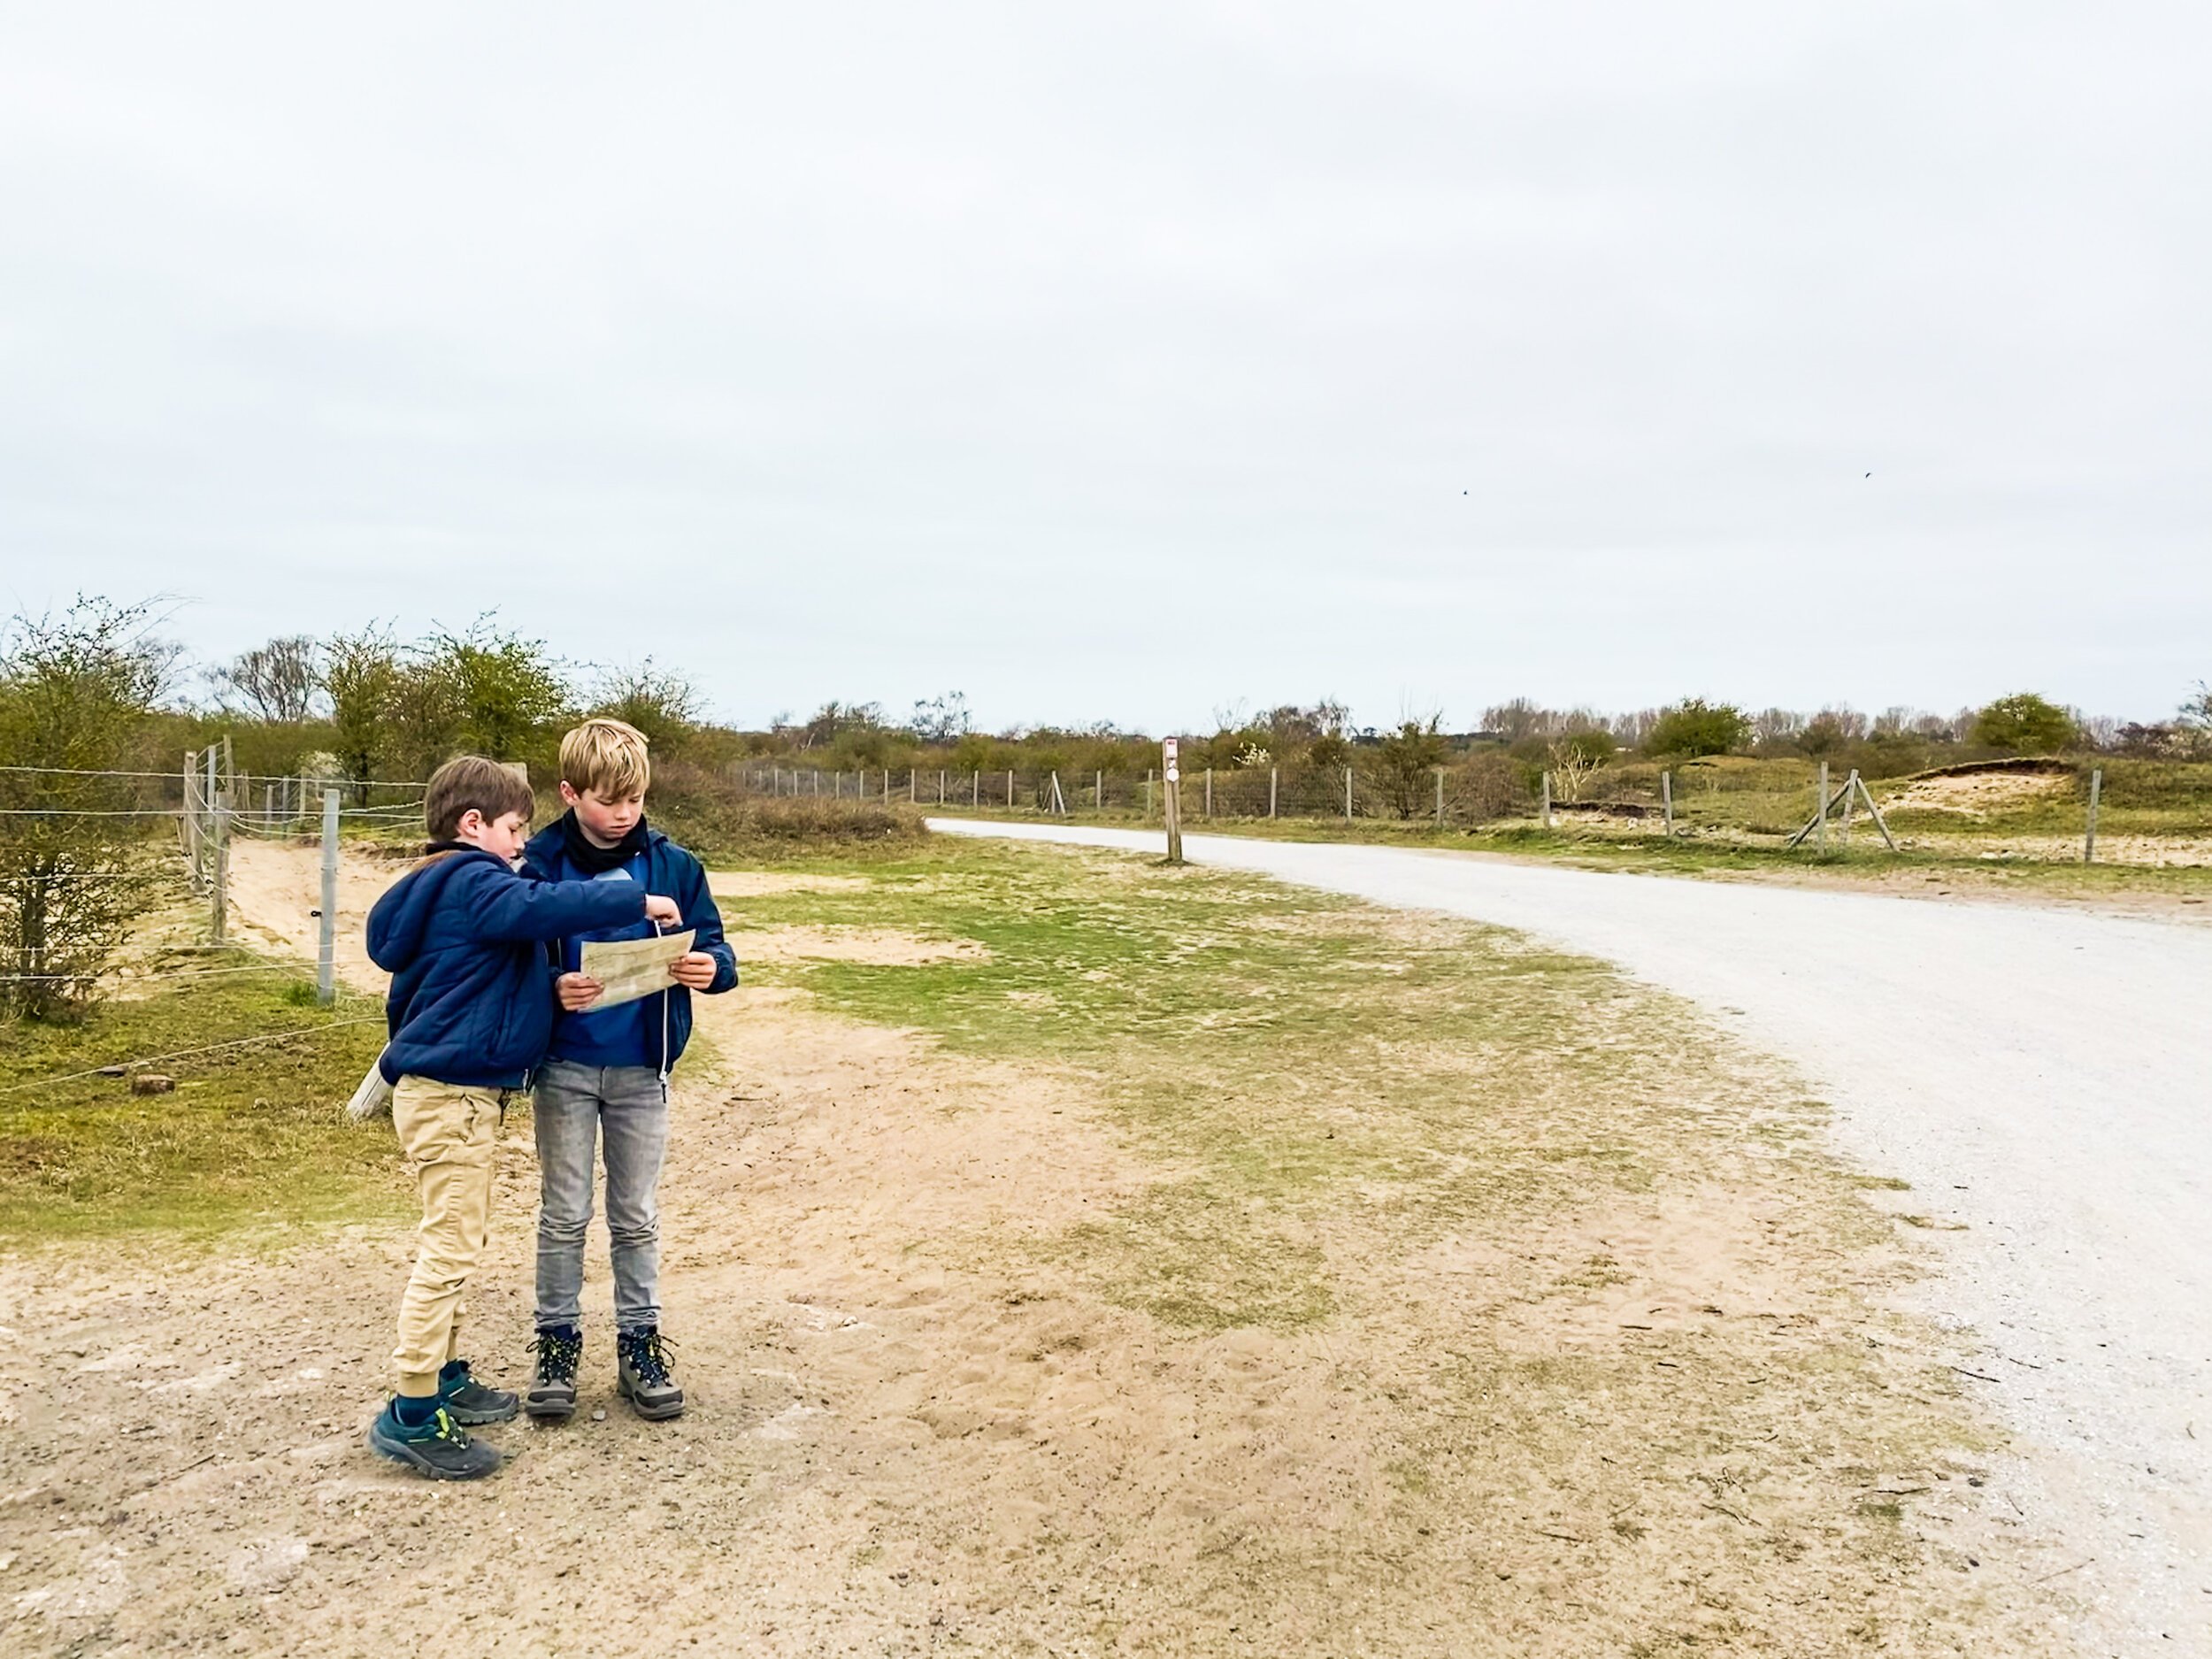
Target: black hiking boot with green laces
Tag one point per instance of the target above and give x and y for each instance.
(470, 1401)
(439, 1448)
(552, 1395)
(644, 1377)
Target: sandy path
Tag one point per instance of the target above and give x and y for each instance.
(2042, 1078)
(913, 1433)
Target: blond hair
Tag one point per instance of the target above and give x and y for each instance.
(606, 756)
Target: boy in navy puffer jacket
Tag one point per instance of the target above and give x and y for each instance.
(470, 1013)
(603, 1089)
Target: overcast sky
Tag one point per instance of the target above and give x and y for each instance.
(1124, 363)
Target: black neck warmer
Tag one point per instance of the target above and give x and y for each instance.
(598, 860)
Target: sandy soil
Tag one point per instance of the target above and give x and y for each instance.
(1978, 794)
(915, 1431)
(2037, 1076)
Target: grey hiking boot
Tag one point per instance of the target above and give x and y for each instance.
(552, 1395)
(471, 1402)
(441, 1449)
(644, 1378)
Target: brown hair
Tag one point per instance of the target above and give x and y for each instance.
(491, 786)
(608, 756)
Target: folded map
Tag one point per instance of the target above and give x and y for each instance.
(632, 968)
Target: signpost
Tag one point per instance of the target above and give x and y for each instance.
(1173, 775)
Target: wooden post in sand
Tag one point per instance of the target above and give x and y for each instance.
(326, 917)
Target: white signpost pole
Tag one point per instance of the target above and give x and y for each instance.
(1172, 774)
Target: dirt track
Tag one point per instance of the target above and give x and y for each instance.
(2043, 1079)
(908, 1437)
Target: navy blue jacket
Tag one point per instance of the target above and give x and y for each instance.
(673, 873)
(464, 938)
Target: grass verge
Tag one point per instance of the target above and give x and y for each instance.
(253, 1136)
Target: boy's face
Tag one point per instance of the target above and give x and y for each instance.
(604, 819)
(502, 836)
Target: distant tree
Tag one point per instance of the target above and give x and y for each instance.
(1630, 729)
(1405, 763)
(940, 720)
(280, 682)
(75, 691)
(2024, 723)
(832, 720)
(1695, 728)
(2197, 713)
(507, 693)
(1518, 720)
(660, 702)
(1772, 728)
(1831, 730)
(362, 674)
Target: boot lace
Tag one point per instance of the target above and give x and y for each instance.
(558, 1355)
(648, 1352)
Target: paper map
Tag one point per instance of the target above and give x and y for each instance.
(632, 968)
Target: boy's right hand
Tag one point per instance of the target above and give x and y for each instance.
(662, 909)
(577, 992)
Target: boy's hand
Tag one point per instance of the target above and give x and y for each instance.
(576, 992)
(661, 908)
(694, 973)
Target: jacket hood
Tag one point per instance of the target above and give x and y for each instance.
(399, 920)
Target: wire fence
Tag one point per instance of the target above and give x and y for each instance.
(1479, 792)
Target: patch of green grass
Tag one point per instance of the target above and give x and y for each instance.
(1287, 1048)
(254, 1135)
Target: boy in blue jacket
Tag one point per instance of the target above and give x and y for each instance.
(604, 1085)
(470, 1012)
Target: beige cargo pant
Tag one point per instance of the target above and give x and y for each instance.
(450, 1133)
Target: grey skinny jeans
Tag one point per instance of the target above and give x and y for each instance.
(625, 1110)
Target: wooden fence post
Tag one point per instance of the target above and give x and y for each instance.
(1274, 777)
(1098, 790)
(975, 792)
(1666, 797)
(1209, 792)
(2089, 840)
(326, 917)
(1009, 788)
(221, 878)
(1347, 795)
(1547, 800)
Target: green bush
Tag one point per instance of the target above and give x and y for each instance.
(1695, 728)
(2025, 724)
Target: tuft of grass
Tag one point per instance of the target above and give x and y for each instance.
(252, 1136)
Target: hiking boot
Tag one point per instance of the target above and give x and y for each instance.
(439, 1448)
(470, 1401)
(552, 1395)
(644, 1378)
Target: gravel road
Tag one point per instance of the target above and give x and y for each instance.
(2042, 1078)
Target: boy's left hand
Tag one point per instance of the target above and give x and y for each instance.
(694, 973)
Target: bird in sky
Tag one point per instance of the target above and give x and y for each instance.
(1870, 475)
